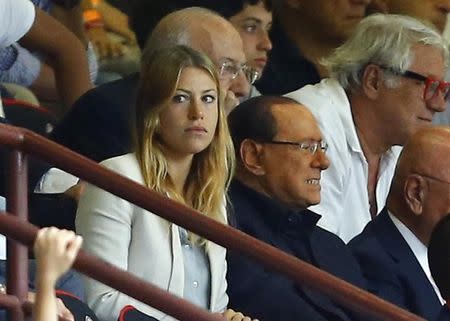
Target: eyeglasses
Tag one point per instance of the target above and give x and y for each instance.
(230, 70)
(432, 85)
(309, 146)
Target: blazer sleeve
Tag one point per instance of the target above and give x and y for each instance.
(105, 222)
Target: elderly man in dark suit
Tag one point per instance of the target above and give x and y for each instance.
(392, 249)
(280, 159)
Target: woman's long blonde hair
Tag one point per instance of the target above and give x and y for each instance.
(212, 168)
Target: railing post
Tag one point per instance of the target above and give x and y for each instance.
(17, 254)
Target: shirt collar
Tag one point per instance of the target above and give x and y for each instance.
(418, 248)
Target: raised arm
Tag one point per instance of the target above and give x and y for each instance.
(66, 55)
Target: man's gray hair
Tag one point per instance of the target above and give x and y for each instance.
(176, 29)
(384, 40)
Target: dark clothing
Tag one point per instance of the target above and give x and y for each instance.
(444, 315)
(287, 70)
(98, 124)
(43, 209)
(268, 296)
(391, 268)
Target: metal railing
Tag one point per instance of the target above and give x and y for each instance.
(22, 141)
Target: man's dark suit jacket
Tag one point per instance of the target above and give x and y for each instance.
(268, 296)
(98, 124)
(444, 315)
(392, 270)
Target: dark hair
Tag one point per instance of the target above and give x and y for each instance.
(253, 119)
(439, 256)
(228, 8)
(145, 14)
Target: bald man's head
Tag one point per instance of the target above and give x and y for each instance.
(420, 192)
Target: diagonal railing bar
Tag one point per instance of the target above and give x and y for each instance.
(272, 258)
(112, 276)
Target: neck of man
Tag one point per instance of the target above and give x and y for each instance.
(370, 130)
(249, 180)
(254, 182)
(397, 207)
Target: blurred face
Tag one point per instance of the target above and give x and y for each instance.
(334, 19)
(433, 11)
(226, 47)
(291, 174)
(188, 123)
(253, 24)
(405, 105)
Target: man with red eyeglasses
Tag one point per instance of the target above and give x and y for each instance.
(432, 11)
(386, 82)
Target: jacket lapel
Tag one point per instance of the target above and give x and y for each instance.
(411, 271)
(176, 281)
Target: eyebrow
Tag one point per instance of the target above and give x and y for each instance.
(231, 60)
(252, 19)
(190, 92)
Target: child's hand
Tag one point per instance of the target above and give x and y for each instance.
(55, 252)
(231, 315)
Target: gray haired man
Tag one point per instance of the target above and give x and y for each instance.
(386, 83)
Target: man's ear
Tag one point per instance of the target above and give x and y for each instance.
(414, 192)
(371, 80)
(251, 152)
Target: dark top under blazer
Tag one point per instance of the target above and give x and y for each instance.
(392, 270)
(269, 296)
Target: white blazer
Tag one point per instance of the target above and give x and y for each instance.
(141, 243)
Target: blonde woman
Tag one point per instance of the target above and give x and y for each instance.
(183, 151)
